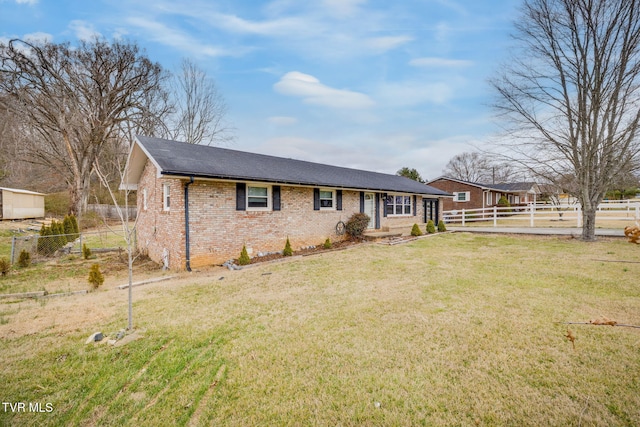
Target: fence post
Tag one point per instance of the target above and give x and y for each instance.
(463, 215)
(578, 211)
(532, 209)
(495, 216)
(13, 249)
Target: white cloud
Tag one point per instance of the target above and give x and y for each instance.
(179, 40)
(443, 30)
(415, 92)
(440, 62)
(29, 2)
(83, 30)
(282, 120)
(342, 8)
(312, 91)
(383, 44)
(235, 24)
(38, 37)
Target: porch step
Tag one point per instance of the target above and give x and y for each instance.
(380, 234)
(394, 231)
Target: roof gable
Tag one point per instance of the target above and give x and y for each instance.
(173, 158)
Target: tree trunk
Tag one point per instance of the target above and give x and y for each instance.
(80, 194)
(589, 223)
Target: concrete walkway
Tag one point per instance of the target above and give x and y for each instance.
(566, 231)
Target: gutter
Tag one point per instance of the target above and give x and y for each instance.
(186, 223)
(168, 173)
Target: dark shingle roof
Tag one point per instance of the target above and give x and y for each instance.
(511, 186)
(179, 158)
(504, 186)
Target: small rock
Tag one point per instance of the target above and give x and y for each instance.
(120, 334)
(96, 336)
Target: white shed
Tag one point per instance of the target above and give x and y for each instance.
(20, 204)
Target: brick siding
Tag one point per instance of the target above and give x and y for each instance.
(218, 231)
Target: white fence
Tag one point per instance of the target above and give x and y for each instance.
(111, 211)
(543, 214)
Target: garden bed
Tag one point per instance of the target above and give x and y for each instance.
(311, 250)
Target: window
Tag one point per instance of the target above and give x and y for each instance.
(489, 201)
(166, 197)
(398, 205)
(326, 199)
(144, 199)
(257, 197)
(462, 196)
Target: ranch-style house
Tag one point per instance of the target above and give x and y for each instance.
(198, 205)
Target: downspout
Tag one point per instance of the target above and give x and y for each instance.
(186, 222)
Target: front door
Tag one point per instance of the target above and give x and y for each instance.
(370, 208)
(431, 210)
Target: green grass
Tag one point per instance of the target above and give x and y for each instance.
(455, 329)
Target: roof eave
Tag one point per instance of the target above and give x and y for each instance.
(237, 178)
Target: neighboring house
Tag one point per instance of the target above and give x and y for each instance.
(474, 195)
(198, 205)
(20, 204)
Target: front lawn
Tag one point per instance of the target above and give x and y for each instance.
(454, 329)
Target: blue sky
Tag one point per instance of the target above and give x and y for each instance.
(370, 84)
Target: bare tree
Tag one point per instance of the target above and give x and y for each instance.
(200, 109)
(128, 224)
(572, 94)
(478, 167)
(74, 100)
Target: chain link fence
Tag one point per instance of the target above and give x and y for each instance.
(41, 248)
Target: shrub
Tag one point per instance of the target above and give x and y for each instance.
(70, 226)
(287, 249)
(327, 243)
(96, 278)
(86, 252)
(5, 266)
(45, 241)
(57, 229)
(74, 226)
(442, 227)
(244, 256)
(504, 203)
(66, 225)
(415, 231)
(357, 224)
(431, 227)
(24, 260)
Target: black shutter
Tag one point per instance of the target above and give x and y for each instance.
(377, 211)
(275, 194)
(241, 196)
(362, 202)
(339, 200)
(316, 199)
(384, 205)
(415, 204)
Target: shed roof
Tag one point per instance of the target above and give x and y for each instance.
(20, 191)
(174, 158)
